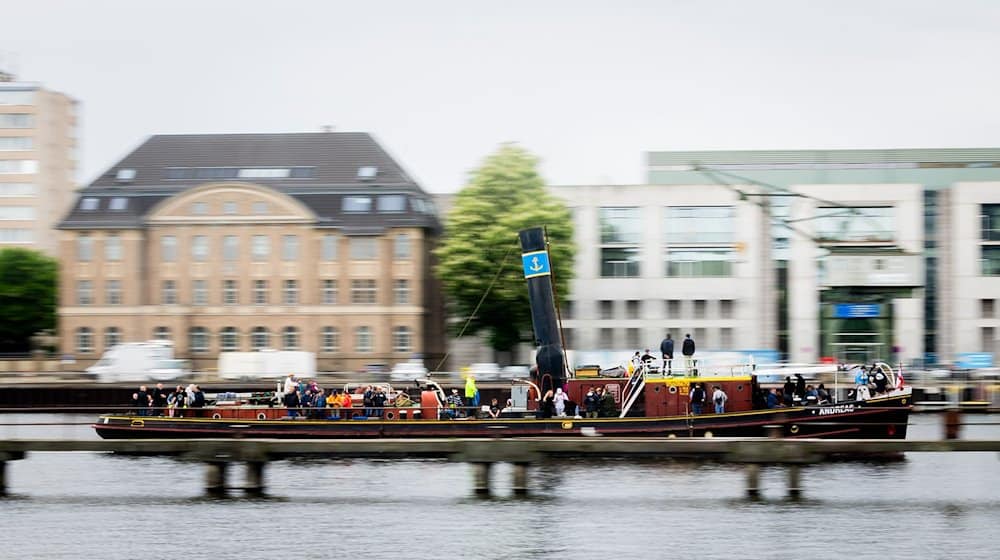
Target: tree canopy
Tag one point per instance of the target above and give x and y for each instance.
(27, 297)
(504, 195)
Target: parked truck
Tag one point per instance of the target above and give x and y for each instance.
(266, 364)
(139, 361)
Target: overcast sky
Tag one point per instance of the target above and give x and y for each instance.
(587, 86)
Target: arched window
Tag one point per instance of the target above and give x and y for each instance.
(198, 337)
(290, 338)
(161, 333)
(229, 339)
(330, 339)
(363, 339)
(84, 340)
(402, 339)
(112, 336)
(260, 338)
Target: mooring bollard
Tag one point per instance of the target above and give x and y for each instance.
(952, 423)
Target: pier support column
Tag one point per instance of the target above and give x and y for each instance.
(3, 478)
(753, 481)
(481, 478)
(215, 478)
(255, 478)
(794, 482)
(520, 479)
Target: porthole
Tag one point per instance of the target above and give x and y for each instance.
(739, 388)
(656, 389)
(794, 429)
(672, 389)
(261, 416)
(216, 416)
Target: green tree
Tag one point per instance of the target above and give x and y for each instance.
(504, 196)
(27, 297)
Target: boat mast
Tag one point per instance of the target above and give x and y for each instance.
(538, 273)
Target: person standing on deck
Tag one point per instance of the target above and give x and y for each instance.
(687, 348)
(697, 396)
(800, 387)
(719, 399)
(667, 349)
(471, 391)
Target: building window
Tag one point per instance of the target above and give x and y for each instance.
(569, 338)
(161, 333)
(230, 293)
(390, 204)
(726, 338)
(330, 339)
(229, 208)
(17, 120)
(843, 224)
(84, 340)
(16, 189)
(987, 308)
(402, 339)
(260, 208)
(990, 262)
(290, 292)
(363, 339)
(169, 294)
(363, 292)
(607, 309)
(89, 204)
(329, 296)
(620, 262)
(199, 292)
(673, 308)
(84, 292)
(198, 337)
(401, 291)
(290, 247)
(726, 308)
(699, 262)
(632, 338)
(606, 338)
(290, 338)
(113, 292)
(15, 143)
(17, 213)
(632, 309)
(112, 337)
(700, 308)
(168, 248)
(700, 338)
(18, 166)
(16, 235)
(621, 233)
(698, 225)
(260, 292)
(229, 339)
(261, 248)
(118, 203)
(231, 248)
(567, 310)
(401, 247)
(199, 248)
(112, 247)
(329, 248)
(363, 248)
(357, 204)
(987, 337)
(84, 247)
(260, 338)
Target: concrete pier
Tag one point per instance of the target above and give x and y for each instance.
(215, 478)
(520, 479)
(481, 478)
(255, 479)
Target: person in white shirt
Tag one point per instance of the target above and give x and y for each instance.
(719, 399)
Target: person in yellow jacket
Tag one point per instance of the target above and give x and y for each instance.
(471, 392)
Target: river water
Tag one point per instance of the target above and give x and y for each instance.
(84, 505)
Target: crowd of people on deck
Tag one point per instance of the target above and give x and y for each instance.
(160, 401)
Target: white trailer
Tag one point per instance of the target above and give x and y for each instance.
(139, 361)
(266, 364)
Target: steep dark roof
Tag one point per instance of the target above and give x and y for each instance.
(324, 167)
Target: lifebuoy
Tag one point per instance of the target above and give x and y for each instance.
(216, 416)
(261, 416)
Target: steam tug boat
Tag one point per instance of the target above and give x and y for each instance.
(647, 403)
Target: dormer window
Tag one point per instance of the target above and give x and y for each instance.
(89, 204)
(125, 175)
(118, 203)
(367, 173)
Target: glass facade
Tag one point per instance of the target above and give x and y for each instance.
(856, 224)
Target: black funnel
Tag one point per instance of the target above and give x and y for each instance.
(535, 261)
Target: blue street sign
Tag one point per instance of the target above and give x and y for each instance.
(535, 264)
(857, 310)
(974, 360)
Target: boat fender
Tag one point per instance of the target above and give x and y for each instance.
(216, 416)
(261, 416)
